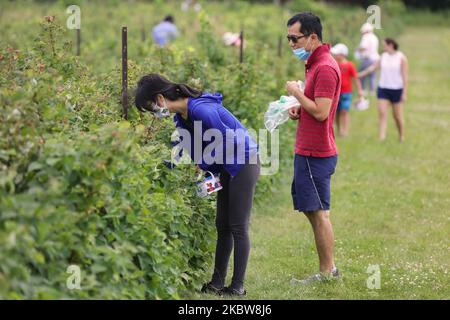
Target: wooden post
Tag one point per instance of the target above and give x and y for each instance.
(241, 53)
(279, 45)
(124, 73)
(143, 34)
(78, 42)
(347, 27)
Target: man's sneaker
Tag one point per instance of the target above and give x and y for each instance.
(211, 289)
(228, 291)
(335, 275)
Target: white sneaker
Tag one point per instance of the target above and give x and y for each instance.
(319, 277)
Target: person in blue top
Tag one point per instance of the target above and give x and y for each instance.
(165, 31)
(235, 158)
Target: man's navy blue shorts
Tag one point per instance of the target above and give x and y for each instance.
(311, 183)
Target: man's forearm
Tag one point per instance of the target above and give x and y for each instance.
(307, 104)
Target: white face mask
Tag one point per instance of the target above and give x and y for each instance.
(161, 112)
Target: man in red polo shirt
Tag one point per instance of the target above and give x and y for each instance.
(315, 147)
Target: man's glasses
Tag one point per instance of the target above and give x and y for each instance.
(293, 38)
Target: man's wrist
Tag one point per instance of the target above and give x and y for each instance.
(299, 95)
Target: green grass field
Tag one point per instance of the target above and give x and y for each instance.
(390, 201)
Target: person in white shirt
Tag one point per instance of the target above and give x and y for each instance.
(392, 86)
(368, 53)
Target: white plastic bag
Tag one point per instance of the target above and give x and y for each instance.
(362, 104)
(278, 111)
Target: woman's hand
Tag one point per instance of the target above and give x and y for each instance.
(404, 97)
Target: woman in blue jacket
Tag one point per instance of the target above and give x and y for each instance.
(235, 158)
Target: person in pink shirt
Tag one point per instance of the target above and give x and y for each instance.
(315, 147)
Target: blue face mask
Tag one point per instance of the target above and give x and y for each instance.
(301, 53)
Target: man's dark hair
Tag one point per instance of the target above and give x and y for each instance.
(392, 42)
(169, 18)
(309, 23)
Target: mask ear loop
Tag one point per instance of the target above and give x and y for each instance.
(155, 105)
(150, 107)
(309, 38)
(157, 109)
(161, 112)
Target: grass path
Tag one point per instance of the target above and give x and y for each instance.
(390, 201)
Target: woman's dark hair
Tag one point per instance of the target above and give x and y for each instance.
(153, 84)
(392, 42)
(309, 23)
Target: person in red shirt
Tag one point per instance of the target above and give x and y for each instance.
(315, 146)
(348, 73)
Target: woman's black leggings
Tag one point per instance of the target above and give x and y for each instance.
(234, 205)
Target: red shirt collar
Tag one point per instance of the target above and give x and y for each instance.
(317, 54)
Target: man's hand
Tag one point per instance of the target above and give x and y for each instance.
(294, 113)
(293, 88)
(360, 96)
